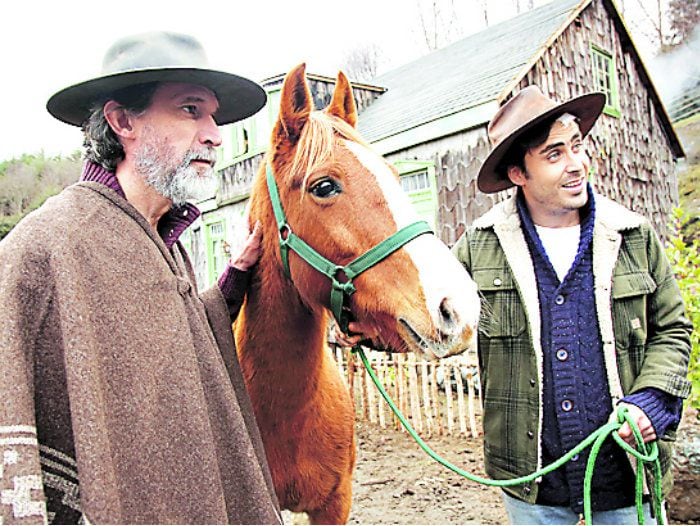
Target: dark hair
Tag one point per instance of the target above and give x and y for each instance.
(534, 137)
(101, 144)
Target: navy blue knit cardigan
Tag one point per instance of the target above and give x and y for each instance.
(576, 394)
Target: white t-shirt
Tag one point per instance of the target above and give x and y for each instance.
(561, 245)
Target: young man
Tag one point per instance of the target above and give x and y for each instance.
(585, 315)
(121, 396)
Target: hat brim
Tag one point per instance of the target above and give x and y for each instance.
(238, 97)
(587, 108)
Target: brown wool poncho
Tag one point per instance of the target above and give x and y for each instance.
(121, 398)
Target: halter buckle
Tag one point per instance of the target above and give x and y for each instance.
(285, 232)
(345, 286)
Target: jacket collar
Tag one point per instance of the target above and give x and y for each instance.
(609, 214)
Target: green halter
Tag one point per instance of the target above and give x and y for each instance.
(339, 290)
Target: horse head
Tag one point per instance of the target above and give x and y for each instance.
(343, 199)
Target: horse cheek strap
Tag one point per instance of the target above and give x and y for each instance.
(340, 291)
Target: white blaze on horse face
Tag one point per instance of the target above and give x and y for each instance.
(451, 296)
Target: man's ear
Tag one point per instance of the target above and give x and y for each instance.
(118, 119)
(516, 175)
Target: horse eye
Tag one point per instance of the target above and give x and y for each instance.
(325, 188)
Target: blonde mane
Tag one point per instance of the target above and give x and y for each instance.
(315, 146)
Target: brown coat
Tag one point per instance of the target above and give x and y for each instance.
(121, 398)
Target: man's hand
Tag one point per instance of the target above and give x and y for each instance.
(642, 421)
(359, 332)
(251, 251)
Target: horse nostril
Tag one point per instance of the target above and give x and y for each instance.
(448, 316)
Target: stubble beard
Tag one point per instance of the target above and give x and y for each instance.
(178, 181)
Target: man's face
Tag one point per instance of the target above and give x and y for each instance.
(554, 181)
(176, 136)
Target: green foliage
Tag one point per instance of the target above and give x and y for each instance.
(689, 192)
(685, 259)
(26, 182)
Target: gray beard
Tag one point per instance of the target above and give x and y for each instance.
(178, 182)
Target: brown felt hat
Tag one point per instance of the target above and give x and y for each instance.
(525, 110)
(158, 57)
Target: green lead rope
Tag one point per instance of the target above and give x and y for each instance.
(644, 454)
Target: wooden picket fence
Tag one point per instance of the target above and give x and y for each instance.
(413, 385)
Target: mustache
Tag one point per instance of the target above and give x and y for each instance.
(205, 154)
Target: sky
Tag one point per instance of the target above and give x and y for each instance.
(46, 46)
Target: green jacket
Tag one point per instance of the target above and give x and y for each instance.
(646, 337)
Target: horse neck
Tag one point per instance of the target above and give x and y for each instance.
(287, 327)
(276, 333)
(281, 346)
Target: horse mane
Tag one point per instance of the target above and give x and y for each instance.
(315, 146)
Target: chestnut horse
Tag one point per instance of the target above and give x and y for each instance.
(342, 199)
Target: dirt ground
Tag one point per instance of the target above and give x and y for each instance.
(396, 482)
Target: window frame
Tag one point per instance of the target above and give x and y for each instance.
(612, 101)
(212, 272)
(413, 167)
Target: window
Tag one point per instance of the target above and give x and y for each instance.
(250, 136)
(415, 182)
(605, 79)
(217, 249)
(418, 181)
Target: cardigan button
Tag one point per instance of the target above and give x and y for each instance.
(559, 300)
(530, 435)
(497, 282)
(533, 382)
(567, 405)
(527, 490)
(562, 355)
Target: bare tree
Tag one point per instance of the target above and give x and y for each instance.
(438, 22)
(361, 63)
(684, 16)
(665, 23)
(485, 9)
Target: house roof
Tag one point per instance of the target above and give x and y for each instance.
(462, 78)
(463, 75)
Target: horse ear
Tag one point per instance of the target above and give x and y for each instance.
(343, 103)
(295, 104)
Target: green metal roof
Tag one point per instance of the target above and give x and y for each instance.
(462, 75)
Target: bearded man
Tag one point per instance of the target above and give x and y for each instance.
(121, 396)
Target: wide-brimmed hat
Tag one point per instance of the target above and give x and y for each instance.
(158, 57)
(525, 110)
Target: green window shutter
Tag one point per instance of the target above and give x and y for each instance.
(217, 248)
(418, 182)
(605, 79)
(232, 143)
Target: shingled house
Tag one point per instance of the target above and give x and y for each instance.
(429, 118)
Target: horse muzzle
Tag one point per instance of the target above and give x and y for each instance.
(450, 335)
